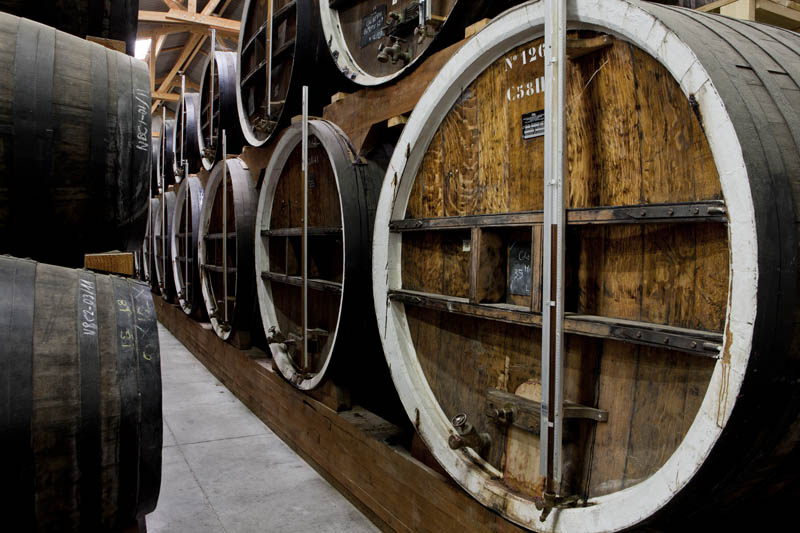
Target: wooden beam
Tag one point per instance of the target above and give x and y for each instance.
(189, 49)
(784, 9)
(174, 4)
(192, 7)
(169, 97)
(151, 32)
(176, 82)
(714, 7)
(218, 23)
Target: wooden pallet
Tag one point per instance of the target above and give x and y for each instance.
(363, 456)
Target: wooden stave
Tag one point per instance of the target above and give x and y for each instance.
(103, 207)
(166, 158)
(357, 182)
(245, 199)
(188, 128)
(163, 263)
(225, 68)
(78, 472)
(148, 264)
(83, 18)
(193, 305)
(311, 62)
(462, 14)
(709, 475)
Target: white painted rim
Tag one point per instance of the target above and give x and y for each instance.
(180, 199)
(290, 138)
(210, 191)
(247, 128)
(345, 61)
(517, 26)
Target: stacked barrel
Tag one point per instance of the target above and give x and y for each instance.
(80, 415)
(426, 247)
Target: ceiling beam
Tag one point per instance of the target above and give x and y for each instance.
(175, 16)
(174, 4)
(169, 97)
(151, 32)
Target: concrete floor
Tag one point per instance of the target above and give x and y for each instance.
(225, 471)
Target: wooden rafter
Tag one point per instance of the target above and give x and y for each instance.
(198, 26)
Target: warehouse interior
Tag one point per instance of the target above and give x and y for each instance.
(407, 265)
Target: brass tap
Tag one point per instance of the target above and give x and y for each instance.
(468, 436)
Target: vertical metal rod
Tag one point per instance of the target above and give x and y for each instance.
(305, 227)
(183, 113)
(553, 267)
(225, 226)
(268, 61)
(211, 92)
(162, 281)
(187, 227)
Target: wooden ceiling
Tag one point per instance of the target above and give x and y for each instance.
(188, 24)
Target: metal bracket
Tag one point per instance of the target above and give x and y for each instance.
(506, 408)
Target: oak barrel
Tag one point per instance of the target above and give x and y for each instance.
(81, 398)
(218, 110)
(268, 90)
(166, 156)
(185, 230)
(342, 197)
(680, 351)
(108, 19)
(225, 249)
(186, 143)
(74, 145)
(162, 245)
(373, 42)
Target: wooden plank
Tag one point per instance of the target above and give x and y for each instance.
(354, 450)
(472, 29)
(697, 342)
(297, 281)
(114, 262)
(112, 44)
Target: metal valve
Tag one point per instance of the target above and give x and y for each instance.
(468, 436)
(392, 52)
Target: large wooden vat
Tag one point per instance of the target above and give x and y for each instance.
(225, 248)
(81, 399)
(186, 143)
(148, 257)
(109, 19)
(374, 42)
(268, 90)
(185, 224)
(218, 111)
(74, 145)
(681, 360)
(166, 155)
(162, 244)
(342, 196)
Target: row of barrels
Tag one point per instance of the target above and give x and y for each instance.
(681, 284)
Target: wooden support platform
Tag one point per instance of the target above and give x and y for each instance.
(362, 455)
(112, 262)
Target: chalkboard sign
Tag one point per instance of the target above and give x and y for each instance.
(519, 268)
(372, 26)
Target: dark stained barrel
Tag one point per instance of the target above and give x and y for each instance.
(166, 155)
(186, 142)
(342, 197)
(218, 109)
(109, 19)
(374, 42)
(680, 349)
(74, 145)
(269, 89)
(188, 202)
(155, 172)
(80, 399)
(162, 254)
(148, 258)
(225, 249)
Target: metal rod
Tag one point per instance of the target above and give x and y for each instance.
(305, 227)
(162, 280)
(183, 113)
(186, 230)
(553, 263)
(268, 61)
(211, 92)
(225, 226)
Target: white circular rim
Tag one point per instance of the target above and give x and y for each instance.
(247, 128)
(334, 38)
(210, 191)
(632, 505)
(176, 270)
(206, 162)
(290, 138)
